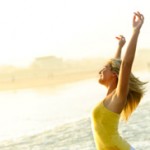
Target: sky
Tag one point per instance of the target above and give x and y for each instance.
(71, 29)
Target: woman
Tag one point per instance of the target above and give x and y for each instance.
(124, 94)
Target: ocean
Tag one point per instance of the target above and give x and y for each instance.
(61, 116)
(30, 111)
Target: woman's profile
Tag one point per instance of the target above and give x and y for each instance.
(124, 92)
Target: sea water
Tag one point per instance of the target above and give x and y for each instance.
(31, 111)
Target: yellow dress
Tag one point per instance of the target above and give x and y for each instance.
(105, 129)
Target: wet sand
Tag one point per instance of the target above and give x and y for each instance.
(51, 81)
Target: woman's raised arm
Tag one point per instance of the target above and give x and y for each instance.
(126, 65)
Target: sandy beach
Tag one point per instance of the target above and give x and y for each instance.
(52, 81)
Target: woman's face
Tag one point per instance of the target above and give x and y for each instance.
(105, 75)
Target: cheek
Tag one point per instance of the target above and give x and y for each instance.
(107, 76)
(102, 78)
(101, 81)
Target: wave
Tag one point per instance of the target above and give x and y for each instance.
(78, 135)
(70, 136)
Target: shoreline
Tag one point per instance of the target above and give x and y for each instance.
(77, 134)
(53, 81)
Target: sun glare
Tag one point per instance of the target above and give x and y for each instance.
(67, 29)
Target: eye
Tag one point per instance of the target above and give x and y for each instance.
(106, 67)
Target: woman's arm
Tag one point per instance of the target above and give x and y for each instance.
(121, 43)
(126, 65)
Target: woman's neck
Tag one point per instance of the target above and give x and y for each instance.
(110, 91)
(111, 88)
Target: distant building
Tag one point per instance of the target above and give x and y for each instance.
(48, 63)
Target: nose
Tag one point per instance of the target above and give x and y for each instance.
(100, 71)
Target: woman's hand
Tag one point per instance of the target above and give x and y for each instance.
(122, 40)
(137, 22)
(121, 43)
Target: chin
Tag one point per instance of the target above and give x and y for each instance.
(100, 81)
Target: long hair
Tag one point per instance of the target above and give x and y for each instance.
(136, 90)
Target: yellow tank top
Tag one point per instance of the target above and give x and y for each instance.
(105, 129)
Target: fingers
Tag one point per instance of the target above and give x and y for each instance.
(138, 15)
(120, 37)
(138, 20)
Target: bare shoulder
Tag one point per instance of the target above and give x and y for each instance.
(114, 103)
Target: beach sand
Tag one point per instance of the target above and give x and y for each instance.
(51, 81)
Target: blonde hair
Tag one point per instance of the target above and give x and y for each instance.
(136, 90)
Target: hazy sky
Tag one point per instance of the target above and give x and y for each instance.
(66, 28)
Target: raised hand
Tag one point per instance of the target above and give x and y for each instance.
(121, 43)
(121, 39)
(138, 20)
